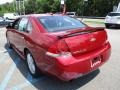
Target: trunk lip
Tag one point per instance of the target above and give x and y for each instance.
(74, 32)
(80, 32)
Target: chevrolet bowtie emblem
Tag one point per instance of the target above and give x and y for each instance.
(93, 39)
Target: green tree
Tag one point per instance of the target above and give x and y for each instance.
(90, 8)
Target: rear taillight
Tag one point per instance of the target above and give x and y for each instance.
(60, 48)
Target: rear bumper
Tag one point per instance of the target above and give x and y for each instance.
(70, 67)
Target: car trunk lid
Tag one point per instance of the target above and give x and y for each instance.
(86, 40)
(83, 40)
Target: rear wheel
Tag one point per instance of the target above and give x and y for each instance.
(107, 26)
(31, 65)
(117, 26)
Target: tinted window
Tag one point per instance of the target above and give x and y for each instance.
(114, 14)
(23, 24)
(59, 23)
(71, 13)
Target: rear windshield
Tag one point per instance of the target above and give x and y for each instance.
(114, 14)
(60, 23)
(70, 13)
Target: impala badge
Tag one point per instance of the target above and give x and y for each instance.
(93, 39)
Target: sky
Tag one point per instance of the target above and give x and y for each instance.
(4, 1)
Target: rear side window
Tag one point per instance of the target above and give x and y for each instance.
(29, 26)
(114, 14)
(23, 24)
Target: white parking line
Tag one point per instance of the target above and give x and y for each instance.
(9, 75)
(3, 58)
(6, 51)
(3, 51)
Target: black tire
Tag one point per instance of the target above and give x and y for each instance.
(117, 26)
(107, 26)
(34, 73)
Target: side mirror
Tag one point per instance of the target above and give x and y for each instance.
(9, 25)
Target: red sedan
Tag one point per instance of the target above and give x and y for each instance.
(58, 45)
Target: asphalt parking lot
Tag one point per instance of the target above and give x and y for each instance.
(14, 74)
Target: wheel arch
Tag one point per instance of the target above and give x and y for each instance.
(25, 51)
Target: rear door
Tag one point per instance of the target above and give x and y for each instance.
(20, 34)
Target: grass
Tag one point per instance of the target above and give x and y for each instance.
(97, 22)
